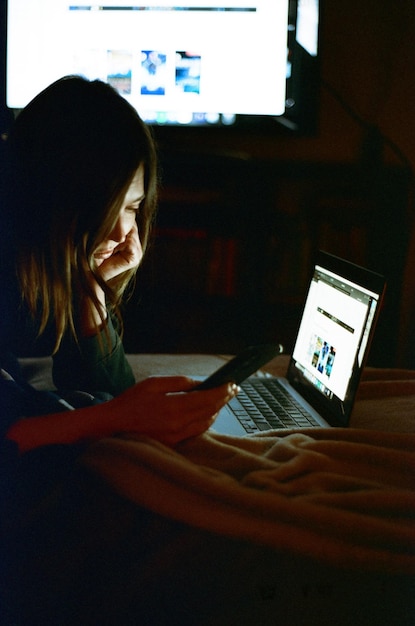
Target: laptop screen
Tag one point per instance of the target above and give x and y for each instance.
(334, 335)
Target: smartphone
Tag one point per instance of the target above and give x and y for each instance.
(241, 366)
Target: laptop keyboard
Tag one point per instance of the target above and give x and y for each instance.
(265, 404)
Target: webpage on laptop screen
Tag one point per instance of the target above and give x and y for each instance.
(333, 332)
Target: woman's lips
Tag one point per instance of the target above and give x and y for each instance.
(104, 254)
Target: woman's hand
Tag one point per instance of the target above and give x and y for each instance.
(163, 408)
(125, 256)
(109, 264)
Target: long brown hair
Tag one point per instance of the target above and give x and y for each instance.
(73, 152)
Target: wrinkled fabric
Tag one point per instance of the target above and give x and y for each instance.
(340, 496)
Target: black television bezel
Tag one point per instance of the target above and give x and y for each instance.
(299, 119)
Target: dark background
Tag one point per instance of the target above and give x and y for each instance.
(242, 212)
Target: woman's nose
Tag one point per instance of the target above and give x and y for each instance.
(120, 230)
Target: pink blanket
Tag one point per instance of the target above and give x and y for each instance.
(340, 496)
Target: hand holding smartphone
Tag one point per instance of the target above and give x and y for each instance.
(241, 366)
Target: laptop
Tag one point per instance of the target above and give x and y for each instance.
(337, 324)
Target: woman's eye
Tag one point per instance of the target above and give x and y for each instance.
(134, 208)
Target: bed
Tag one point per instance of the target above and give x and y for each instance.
(305, 527)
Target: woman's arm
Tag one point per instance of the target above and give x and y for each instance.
(159, 407)
(97, 363)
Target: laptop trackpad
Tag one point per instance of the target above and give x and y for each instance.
(227, 424)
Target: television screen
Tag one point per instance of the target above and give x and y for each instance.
(191, 63)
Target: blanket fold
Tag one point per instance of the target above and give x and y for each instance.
(341, 496)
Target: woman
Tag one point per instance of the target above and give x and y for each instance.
(80, 200)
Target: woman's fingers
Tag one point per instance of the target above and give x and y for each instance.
(126, 255)
(166, 408)
(187, 431)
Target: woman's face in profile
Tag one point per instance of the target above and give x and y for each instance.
(126, 222)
